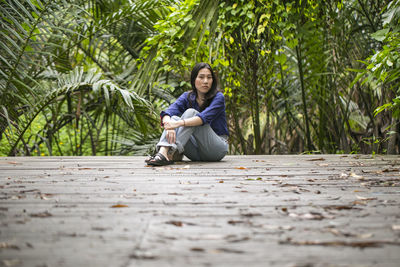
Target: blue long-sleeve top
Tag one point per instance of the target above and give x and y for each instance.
(214, 114)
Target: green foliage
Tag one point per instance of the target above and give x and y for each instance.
(89, 77)
(384, 65)
(55, 57)
(176, 45)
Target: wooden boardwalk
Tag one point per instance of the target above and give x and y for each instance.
(319, 210)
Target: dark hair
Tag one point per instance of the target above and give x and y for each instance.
(214, 86)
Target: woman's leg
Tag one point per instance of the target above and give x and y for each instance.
(206, 145)
(200, 143)
(197, 142)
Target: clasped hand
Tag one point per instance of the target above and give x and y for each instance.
(170, 126)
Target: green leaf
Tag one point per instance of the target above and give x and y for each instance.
(380, 35)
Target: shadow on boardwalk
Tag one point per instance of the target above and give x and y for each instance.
(321, 210)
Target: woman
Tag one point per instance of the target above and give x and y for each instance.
(195, 124)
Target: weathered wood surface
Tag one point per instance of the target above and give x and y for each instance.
(325, 210)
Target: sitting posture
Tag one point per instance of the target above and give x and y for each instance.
(195, 124)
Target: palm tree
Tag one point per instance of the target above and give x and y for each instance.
(42, 48)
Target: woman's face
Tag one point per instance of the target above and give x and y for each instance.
(203, 81)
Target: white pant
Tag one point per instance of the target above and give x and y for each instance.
(198, 143)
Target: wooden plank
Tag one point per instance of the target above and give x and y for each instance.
(292, 210)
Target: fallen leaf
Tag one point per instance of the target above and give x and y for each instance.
(323, 164)
(358, 202)
(356, 176)
(228, 250)
(235, 239)
(175, 194)
(396, 227)
(220, 181)
(11, 263)
(197, 249)
(365, 236)
(308, 216)
(100, 228)
(46, 196)
(176, 223)
(366, 198)
(8, 246)
(41, 214)
(391, 170)
(317, 159)
(241, 168)
(14, 163)
(336, 243)
(250, 214)
(119, 206)
(139, 255)
(235, 222)
(339, 207)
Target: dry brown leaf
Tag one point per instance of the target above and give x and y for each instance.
(7, 245)
(176, 223)
(336, 243)
(235, 222)
(119, 206)
(391, 170)
(339, 207)
(46, 196)
(41, 214)
(250, 214)
(197, 249)
(241, 168)
(366, 198)
(317, 159)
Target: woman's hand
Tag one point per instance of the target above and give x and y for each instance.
(171, 124)
(171, 136)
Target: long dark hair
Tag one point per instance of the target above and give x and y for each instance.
(214, 86)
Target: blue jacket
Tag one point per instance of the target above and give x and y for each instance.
(214, 114)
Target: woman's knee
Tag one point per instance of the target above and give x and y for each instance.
(216, 157)
(189, 113)
(175, 118)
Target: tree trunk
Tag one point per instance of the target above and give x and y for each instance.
(303, 95)
(255, 105)
(394, 138)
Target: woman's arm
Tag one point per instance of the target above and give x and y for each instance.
(171, 124)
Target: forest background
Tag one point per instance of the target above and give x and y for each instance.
(299, 76)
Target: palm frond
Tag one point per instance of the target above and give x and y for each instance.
(105, 93)
(200, 15)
